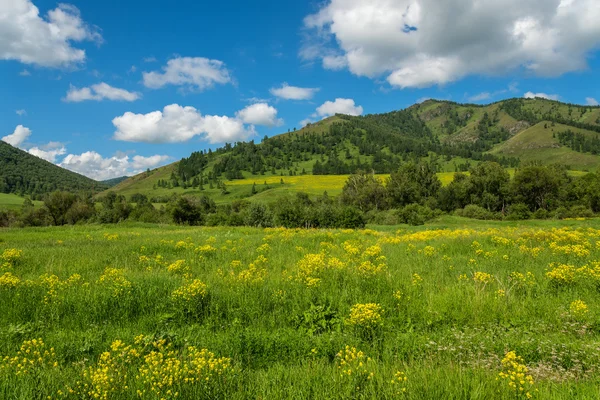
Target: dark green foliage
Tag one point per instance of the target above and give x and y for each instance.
(365, 192)
(412, 183)
(416, 214)
(259, 215)
(23, 173)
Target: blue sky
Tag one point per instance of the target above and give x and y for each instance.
(114, 87)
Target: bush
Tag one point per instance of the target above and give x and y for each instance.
(475, 212)
(580, 212)
(351, 218)
(561, 213)
(518, 212)
(541, 214)
(416, 214)
(259, 215)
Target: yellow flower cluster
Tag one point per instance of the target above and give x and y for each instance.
(159, 372)
(9, 281)
(206, 250)
(399, 381)
(190, 292)
(522, 281)
(32, 356)
(111, 237)
(367, 315)
(416, 281)
(578, 250)
(183, 245)
(562, 274)
(353, 362)
(114, 279)
(515, 374)
(263, 248)
(54, 286)
(254, 274)
(482, 278)
(179, 267)
(578, 309)
(11, 256)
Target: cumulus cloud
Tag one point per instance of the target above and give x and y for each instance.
(49, 151)
(47, 41)
(590, 101)
(305, 122)
(18, 137)
(339, 106)
(100, 92)
(194, 73)
(531, 95)
(420, 43)
(288, 92)
(93, 165)
(260, 114)
(176, 124)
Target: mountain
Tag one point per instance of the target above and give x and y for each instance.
(23, 173)
(452, 136)
(114, 181)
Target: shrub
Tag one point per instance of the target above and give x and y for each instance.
(475, 212)
(416, 214)
(518, 212)
(259, 215)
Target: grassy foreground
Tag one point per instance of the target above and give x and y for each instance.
(455, 310)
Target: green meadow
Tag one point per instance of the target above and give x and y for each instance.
(457, 309)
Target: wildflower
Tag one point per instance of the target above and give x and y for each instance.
(366, 315)
(354, 363)
(115, 281)
(9, 281)
(578, 309)
(399, 381)
(416, 281)
(515, 374)
(190, 292)
(11, 256)
(482, 278)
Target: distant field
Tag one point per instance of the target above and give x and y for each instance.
(13, 202)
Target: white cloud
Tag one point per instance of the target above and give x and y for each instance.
(149, 59)
(420, 43)
(27, 37)
(93, 165)
(179, 124)
(590, 101)
(24, 73)
(339, 106)
(480, 97)
(260, 114)
(288, 92)
(48, 152)
(531, 95)
(305, 122)
(18, 137)
(100, 92)
(21, 113)
(195, 73)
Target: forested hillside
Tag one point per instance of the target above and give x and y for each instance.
(23, 173)
(450, 136)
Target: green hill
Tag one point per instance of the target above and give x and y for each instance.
(23, 173)
(452, 136)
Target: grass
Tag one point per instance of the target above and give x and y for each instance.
(537, 144)
(13, 202)
(442, 305)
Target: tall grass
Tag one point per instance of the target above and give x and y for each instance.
(117, 308)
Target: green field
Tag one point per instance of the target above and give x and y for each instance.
(13, 202)
(456, 309)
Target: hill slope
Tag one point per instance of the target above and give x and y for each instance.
(23, 173)
(450, 135)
